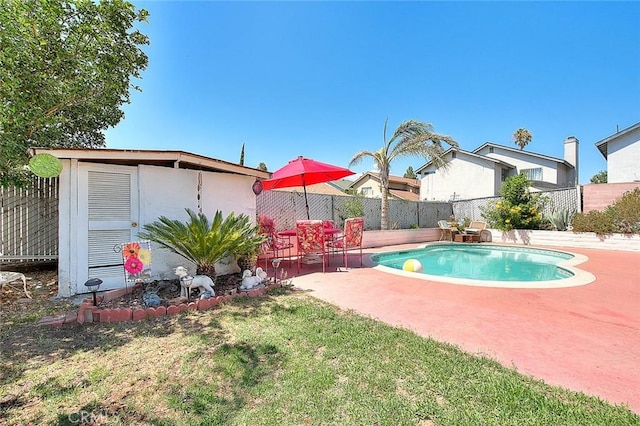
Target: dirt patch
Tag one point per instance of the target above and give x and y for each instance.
(42, 285)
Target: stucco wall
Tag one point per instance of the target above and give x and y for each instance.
(623, 158)
(525, 161)
(467, 177)
(373, 184)
(599, 196)
(167, 192)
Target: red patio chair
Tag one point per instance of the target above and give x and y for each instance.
(311, 240)
(274, 246)
(350, 239)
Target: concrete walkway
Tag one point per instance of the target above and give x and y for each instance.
(583, 338)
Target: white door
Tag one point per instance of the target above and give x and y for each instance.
(108, 217)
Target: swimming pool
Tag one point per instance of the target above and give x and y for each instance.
(489, 265)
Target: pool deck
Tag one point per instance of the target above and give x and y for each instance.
(584, 338)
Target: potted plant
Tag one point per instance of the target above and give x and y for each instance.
(247, 253)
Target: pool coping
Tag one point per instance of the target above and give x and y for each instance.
(579, 278)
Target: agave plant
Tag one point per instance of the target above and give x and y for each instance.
(203, 242)
(560, 219)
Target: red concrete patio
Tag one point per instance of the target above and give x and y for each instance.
(583, 338)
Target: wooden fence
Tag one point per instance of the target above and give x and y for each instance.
(29, 222)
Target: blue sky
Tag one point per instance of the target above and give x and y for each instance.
(319, 79)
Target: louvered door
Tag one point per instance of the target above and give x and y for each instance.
(110, 212)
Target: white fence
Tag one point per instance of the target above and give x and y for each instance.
(29, 222)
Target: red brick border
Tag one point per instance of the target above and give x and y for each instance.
(89, 313)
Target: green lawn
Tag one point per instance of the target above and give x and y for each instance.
(285, 358)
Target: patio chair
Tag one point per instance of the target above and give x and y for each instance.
(351, 238)
(476, 227)
(274, 245)
(311, 241)
(445, 230)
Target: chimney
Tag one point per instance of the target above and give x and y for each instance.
(571, 157)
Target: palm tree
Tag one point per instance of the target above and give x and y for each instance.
(202, 242)
(522, 137)
(411, 138)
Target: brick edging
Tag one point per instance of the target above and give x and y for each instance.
(89, 313)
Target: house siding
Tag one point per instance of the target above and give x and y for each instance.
(524, 161)
(467, 177)
(623, 158)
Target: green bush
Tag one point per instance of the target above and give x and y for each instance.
(623, 216)
(517, 208)
(352, 207)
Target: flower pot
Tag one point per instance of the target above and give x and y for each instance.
(248, 262)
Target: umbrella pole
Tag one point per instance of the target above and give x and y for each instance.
(306, 202)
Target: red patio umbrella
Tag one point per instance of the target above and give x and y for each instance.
(302, 172)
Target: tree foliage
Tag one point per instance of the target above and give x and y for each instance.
(411, 138)
(66, 68)
(410, 174)
(522, 137)
(262, 167)
(600, 177)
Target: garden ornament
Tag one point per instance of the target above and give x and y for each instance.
(249, 280)
(188, 282)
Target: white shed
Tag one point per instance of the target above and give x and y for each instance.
(106, 195)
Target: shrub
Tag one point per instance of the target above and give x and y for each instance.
(352, 207)
(202, 241)
(623, 216)
(517, 207)
(595, 221)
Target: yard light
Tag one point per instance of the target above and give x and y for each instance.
(93, 284)
(276, 263)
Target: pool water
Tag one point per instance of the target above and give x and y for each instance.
(482, 262)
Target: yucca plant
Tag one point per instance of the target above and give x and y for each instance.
(204, 242)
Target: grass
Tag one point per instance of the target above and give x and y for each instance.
(281, 359)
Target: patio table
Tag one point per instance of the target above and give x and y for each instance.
(309, 258)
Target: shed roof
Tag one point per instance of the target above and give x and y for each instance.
(164, 158)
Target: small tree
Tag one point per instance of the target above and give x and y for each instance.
(522, 137)
(410, 174)
(242, 155)
(517, 208)
(352, 207)
(262, 167)
(600, 177)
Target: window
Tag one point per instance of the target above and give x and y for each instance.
(533, 174)
(490, 150)
(505, 174)
(453, 154)
(367, 191)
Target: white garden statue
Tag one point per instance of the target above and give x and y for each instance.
(188, 282)
(250, 281)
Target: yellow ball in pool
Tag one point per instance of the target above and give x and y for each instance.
(412, 265)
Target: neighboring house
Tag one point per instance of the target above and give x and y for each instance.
(399, 188)
(107, 195)
(480, 173)
(622, 152)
